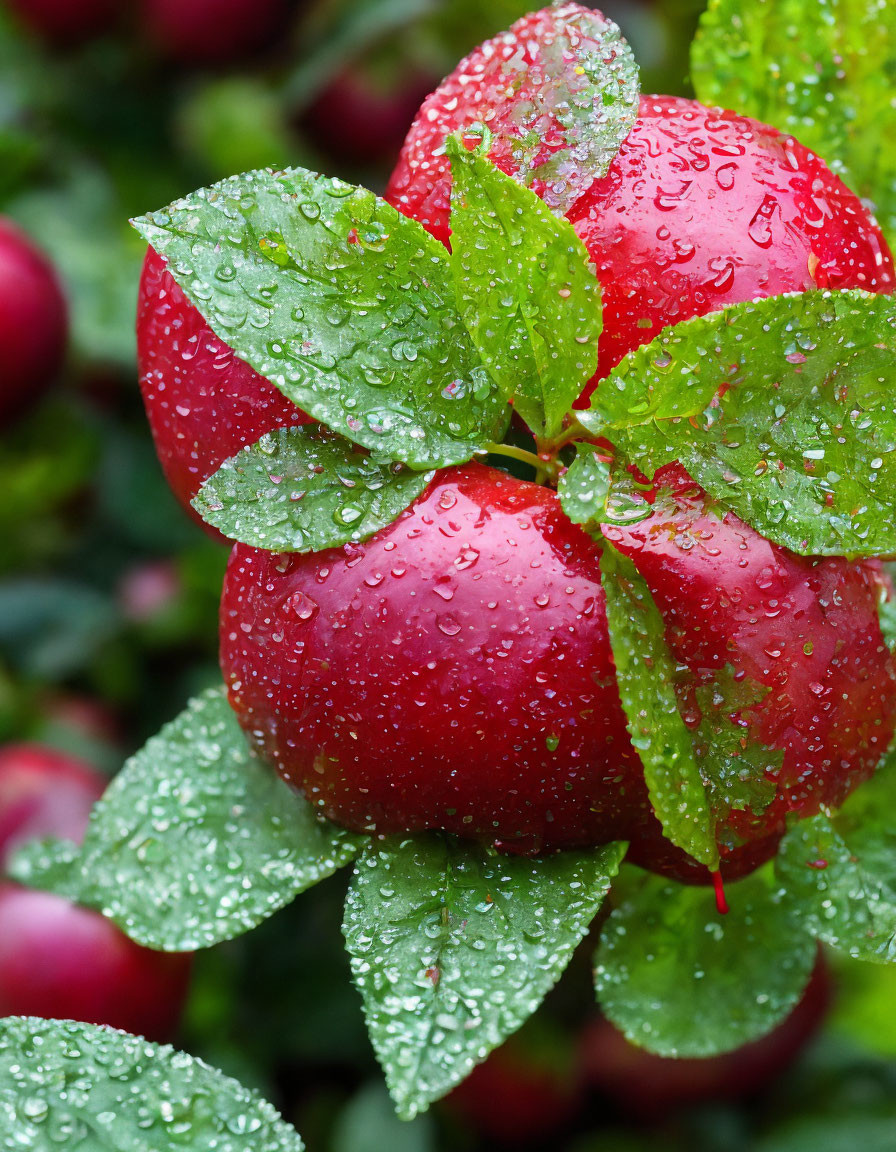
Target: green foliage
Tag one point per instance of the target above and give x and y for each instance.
(839, 871)
(681, 980)
(195, 841)
(525, 288)
(80, 223)
(453, 946)
(305, 489)
(343, 303)
(98, 1090)
(824, 70)
(781, 409)
(645, 672)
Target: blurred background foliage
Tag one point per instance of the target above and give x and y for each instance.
(108, 594)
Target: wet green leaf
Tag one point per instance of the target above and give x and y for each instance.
(89, 1089)
(645, 672)
(824, 70)
(305, 489)
(679, 979)
(782, 409)
(840, 871)
(195, 841)
(732, 761)
(585, 487)
(579, 74)
(526, 290)
(453, 946)
(343, 303)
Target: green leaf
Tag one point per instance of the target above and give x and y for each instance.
(646, 673)
(579, 74)
(824, 70)
(782, 409)
(594, 490)
(681, 980)
(81, 223)
(526, 290)
(196, 841)
(886, 611)
(305, 489)
(732, 761)
(343, 303)
(840, 871)
(81, 1087)
(453, 946)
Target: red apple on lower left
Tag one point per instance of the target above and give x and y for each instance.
(61, 961)
(57, 959)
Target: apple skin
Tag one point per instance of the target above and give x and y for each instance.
(33, 322)
(701, 208)
(206, 32)
(43, 792)
(454, 671)
(418, 680)
(647, 1087)
(61, 961)
(204, 404)
(805, 629)
(57, 959)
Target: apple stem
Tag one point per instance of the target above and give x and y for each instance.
(719, 886)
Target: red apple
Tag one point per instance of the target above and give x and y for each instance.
(454, 671)
(33, 323)
(649, 1087)
(57, 959)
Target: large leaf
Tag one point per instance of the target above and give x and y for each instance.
(645, 672)
(453, 946)
(782, 409)
(343, 303)
(305, 489)
(88, 1089)
(824, 70)
(840, 871)
(525, 288)
(195, 841)
(680, 979)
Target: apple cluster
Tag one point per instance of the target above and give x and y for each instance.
(454, 669)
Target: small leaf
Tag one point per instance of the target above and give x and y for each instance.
(840, 871)
(525, 288)
(782, 409)
(594, 490)
(645, 672)
(584, 488)
(732, 761)
(824, 70)
(681, 980)
(196, 841)
(81, 1087)
(572, 98)
(303, 490)
(346, 305)
(453, 946)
